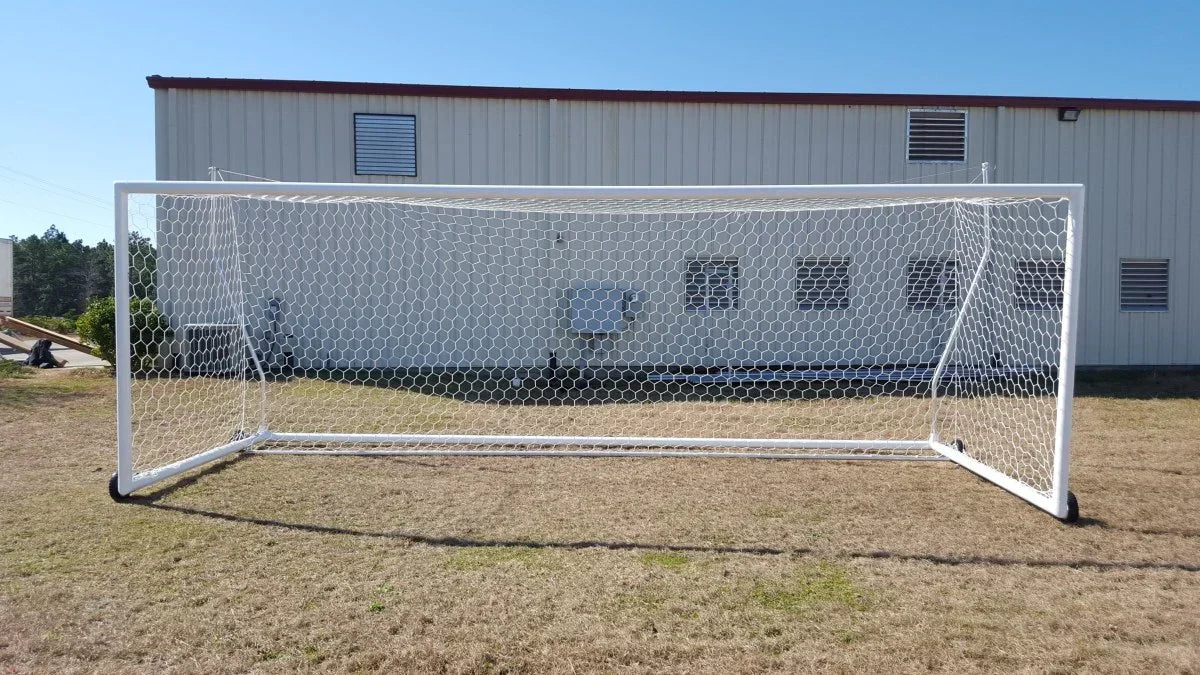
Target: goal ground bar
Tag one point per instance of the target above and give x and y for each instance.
(604, 441)
(597, 445)
(647, 454)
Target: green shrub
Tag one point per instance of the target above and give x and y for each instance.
(12, 369)
(58, 324)
(148, 330)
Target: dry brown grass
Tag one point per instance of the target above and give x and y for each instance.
(489, 565)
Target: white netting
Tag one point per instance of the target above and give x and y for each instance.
(767, 320)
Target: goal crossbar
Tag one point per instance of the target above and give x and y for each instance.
(239, 273)
(1071, 191)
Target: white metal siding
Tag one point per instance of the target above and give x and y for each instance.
(1141, 168)
(6, 276)
(418, 274)
(1142, 171)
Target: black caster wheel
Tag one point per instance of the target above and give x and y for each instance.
(114, 492)
(1072, 516)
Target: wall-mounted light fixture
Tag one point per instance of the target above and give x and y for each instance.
(1068, 114)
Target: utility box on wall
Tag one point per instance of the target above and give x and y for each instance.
(595, 310)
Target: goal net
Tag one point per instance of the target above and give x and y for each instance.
(892, 322)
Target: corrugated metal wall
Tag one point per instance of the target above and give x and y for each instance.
(6, 276)
(1141, 168)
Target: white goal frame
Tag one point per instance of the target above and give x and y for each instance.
(1059, 502)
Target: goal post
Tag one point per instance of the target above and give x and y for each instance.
(899, 322)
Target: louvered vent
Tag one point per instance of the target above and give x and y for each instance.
(932, 284)
(1039, 284)
(711, 283)
(1144, 284)
(385, 145)
(823, 283)
(937, 135)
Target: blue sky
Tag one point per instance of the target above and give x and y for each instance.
(77, 114)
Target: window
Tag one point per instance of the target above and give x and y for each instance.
(932, 283)
(1039, 284)
(711, 283)
(823, 283)
(937, 135)
(1144, 284)
(385, 145)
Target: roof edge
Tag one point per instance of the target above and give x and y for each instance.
(660, 96)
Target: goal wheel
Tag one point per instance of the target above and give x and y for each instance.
(1072, 509)
(114, 492)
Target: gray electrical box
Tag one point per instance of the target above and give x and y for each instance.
(596, 310)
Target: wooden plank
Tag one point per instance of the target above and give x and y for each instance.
(15, 343)
(26, 328)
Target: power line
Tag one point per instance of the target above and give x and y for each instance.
(57, 193)
(59, 186)
(53, 213)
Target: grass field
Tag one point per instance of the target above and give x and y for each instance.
(491, 565)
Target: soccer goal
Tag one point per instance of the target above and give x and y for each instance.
(851, 322)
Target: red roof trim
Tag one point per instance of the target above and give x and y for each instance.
(631, 95)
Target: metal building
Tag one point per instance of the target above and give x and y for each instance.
(1140, 161)
(6, 276)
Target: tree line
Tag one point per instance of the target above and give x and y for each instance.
(54, 276)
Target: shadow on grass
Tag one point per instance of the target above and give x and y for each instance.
(1139, 384)
(602, 385)
(153, 501)
(572, 389)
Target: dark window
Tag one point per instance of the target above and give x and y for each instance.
(1144, 284)
(937, 136)
(385, 145)
(1039, 284)
(711, 283)
(932, 283)
(823, 282)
